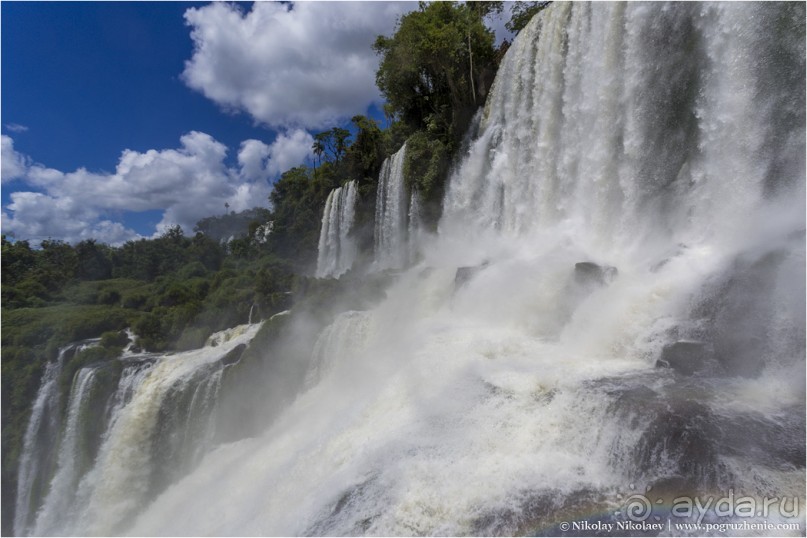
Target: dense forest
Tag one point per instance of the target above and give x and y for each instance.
(174, 290)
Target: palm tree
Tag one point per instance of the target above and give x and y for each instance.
(318, 147)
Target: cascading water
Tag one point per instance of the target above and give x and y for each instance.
(42, 428)
(131, 427)
(39, 455)
(337, 248)
(391, 214)
(614, 302)
(68, 472)
(347, 333)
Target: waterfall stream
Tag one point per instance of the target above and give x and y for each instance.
(391, 213)
(42, 427)
(337, 249)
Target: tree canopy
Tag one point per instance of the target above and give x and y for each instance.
(521, 14)
(436, 69)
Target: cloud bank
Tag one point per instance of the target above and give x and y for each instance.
(305, 64)
(186, 184)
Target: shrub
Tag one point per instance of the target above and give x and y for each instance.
(114, 339)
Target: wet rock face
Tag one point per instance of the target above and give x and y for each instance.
(464, 274)
(588, 273)
(687, 358)
(349, 502)
(540, 513)
(234, 355)
(679, 434)
(744, 313)
(748, 316)
(685, 437)
(681, 439)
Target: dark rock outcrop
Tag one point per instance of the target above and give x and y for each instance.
(590, 273)
(234, 355)
(464, 274)
(745, 316)
(685, 357)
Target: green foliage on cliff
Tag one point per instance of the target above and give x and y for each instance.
(436, 69)
(435, 72)
(425, 169)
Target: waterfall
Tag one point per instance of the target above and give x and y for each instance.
(40, 455)
(391, 213)
(613, 305)
(133, 425)
(588, 130)
(337, 343)
(36, 452)
(67, 475)
(337, 248)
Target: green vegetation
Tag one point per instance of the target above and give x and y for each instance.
(436, 70)
(299, 195)
(173, 291)
(233, 226)
(435, 73)
(522, 13)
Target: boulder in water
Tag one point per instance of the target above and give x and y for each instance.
(591, 273)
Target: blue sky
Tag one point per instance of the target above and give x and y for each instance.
(82, 82)
(120, 119)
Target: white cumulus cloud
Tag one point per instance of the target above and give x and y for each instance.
(259, 160)
(305, 64)
(252, 157)
(288, 150)
(38, 216)
(187, 184)
(14, 165)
